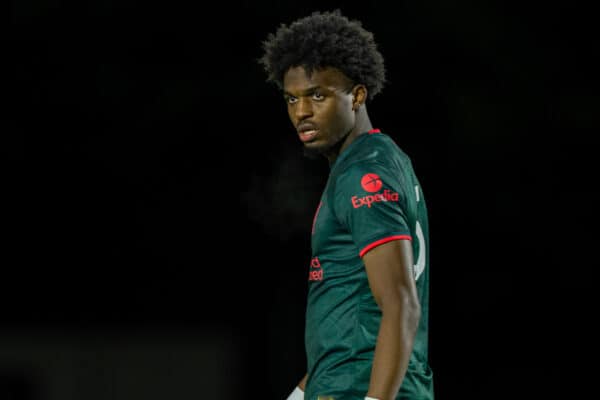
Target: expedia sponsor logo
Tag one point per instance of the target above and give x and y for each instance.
(368, 200)
(371, 182)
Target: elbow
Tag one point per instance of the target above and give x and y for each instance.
(406, 307)
(411, 310)
(415, 312)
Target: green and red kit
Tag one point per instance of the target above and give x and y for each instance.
(372, 196)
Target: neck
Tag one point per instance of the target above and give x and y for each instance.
(362, 126)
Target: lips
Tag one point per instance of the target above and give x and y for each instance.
(307, 132)
(307, 136)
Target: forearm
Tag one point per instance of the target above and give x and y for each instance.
(393, 348)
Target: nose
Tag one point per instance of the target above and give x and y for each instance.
(303, 109)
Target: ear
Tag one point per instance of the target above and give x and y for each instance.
(359, 96)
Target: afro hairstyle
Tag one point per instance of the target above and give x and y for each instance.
(321, 40)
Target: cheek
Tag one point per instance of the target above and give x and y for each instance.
(290, 112)
(345, 114)
(339, 112)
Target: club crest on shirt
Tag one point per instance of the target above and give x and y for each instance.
(372, 183)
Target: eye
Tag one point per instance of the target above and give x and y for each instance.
(291, 99)
(318, 96)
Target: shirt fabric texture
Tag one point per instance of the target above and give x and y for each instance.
(372, 196)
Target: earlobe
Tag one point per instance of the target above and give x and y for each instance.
(359, 95)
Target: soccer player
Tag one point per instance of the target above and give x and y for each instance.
(366, 319)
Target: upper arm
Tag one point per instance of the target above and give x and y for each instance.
(390, 273)
(378, 220)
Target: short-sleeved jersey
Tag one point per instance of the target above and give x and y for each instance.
(372, 196)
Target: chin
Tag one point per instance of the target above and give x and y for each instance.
(322, 149)
(313, 150)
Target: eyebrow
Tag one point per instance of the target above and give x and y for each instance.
(307, 91)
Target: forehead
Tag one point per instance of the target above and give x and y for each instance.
(296, 79)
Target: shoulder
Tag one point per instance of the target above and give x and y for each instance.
(372, 151)
(374, 164)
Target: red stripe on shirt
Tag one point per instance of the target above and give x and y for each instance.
(374, 131)
(382, 241)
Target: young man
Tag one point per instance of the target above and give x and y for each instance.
(367, 309)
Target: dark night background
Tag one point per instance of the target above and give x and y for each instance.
(157, 206)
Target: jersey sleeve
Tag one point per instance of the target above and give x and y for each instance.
(371, 203)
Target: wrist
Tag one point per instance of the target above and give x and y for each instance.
(297, 394)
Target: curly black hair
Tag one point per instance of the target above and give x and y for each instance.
(325, 39)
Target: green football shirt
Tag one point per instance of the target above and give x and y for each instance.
(372, 196)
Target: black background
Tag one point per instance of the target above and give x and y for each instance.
(154, 192)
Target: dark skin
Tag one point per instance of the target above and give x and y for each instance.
(329, 112)
(325, 108)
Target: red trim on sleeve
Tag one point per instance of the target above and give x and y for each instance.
(382, 241)
(374, 131)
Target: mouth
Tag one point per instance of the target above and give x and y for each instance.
(307, 135)
(307, 131)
